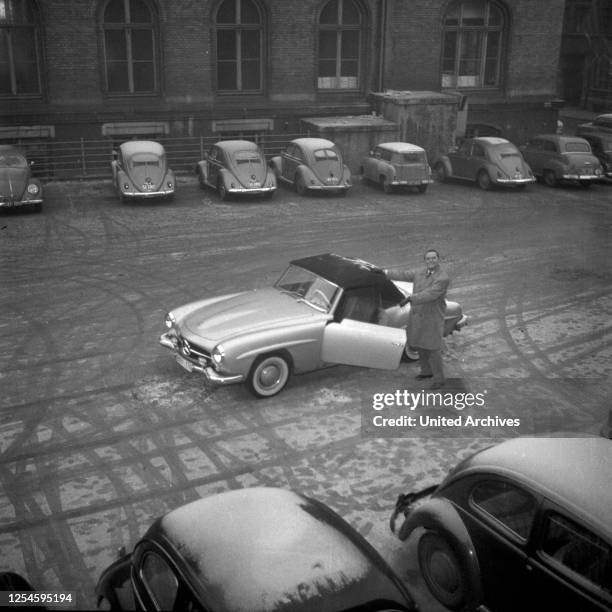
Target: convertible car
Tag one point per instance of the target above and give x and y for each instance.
(236, 167)
(524, 525)
(17, 185)
(140, 171)
(312, 164)
(255, 550)
(323, 310)
(487, 160)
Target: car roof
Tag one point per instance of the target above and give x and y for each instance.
(561, 138)
(400, 147)
(573, 472)
(275, 548)
(11, 149)
(491, 140)
(314, 143)
(349, 273)
(132, 147)
(237, 145)
(604, 121)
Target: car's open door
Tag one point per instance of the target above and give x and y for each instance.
(363, 344)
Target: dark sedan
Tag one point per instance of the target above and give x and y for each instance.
(255, 550)
(524, 525)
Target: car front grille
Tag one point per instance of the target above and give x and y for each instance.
(192, 351)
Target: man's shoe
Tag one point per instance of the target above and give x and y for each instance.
(423, 376)
(436, 385)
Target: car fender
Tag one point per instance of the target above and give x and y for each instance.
(123, 177)
(346, 174)
(227, 177)
(307, 174)
(445, 161)
(438, 514)
(386, 170)
(276, 164)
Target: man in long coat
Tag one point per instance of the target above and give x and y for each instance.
(425, 328)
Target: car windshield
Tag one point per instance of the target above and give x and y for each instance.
(247, 157)
(12, 160)
(308, 286)
(325, 154)
(577, 147)
(409, 158)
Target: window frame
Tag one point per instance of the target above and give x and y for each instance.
(127, 27)
(339, 28)
(239, 28)
(461, 37)
(10, 26)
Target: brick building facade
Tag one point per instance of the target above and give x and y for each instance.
(115, 68)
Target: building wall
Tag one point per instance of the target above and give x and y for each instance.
(74, 102)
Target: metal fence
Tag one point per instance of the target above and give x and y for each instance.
(91, 159)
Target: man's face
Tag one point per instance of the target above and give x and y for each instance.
(431, 260)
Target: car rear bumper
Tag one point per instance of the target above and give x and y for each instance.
(147, 195)
(411, 182)
(581, 177)
(522, 181)
(191, 365)
(328, 187)
(254, 190)
(10, 203)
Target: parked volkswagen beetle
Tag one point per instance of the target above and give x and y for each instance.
(397, 164)
(487, 160)
(524, 525)
(312, 164)
(140, 171)
(555, 158)
(323, 310)
(255, 550)
(236, 167)
(17, 185)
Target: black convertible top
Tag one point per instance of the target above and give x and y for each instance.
(350, 273)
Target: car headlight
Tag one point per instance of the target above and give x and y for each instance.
(32, 189)
(218, 355)
(170, 320)
(169, 184)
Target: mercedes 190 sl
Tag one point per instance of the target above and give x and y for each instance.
(323, 310)
(313, 164)
(487, 160)
(524, 525)
(140, 171)
(236, 167)
(17, 185)
(257, 550)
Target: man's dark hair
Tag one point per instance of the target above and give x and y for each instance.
(431, 251)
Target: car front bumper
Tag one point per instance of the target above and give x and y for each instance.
(411, 183)
(191, 365)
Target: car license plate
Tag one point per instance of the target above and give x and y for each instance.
(184, 363)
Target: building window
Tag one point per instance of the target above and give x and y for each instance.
(19, 48)
(341, 26)
(130, 43)
(239, 46)
(473, 38)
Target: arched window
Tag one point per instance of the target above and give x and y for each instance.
(19, 48)
(341, 25)
(473, 39)
(130, 47)
(239, 26)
